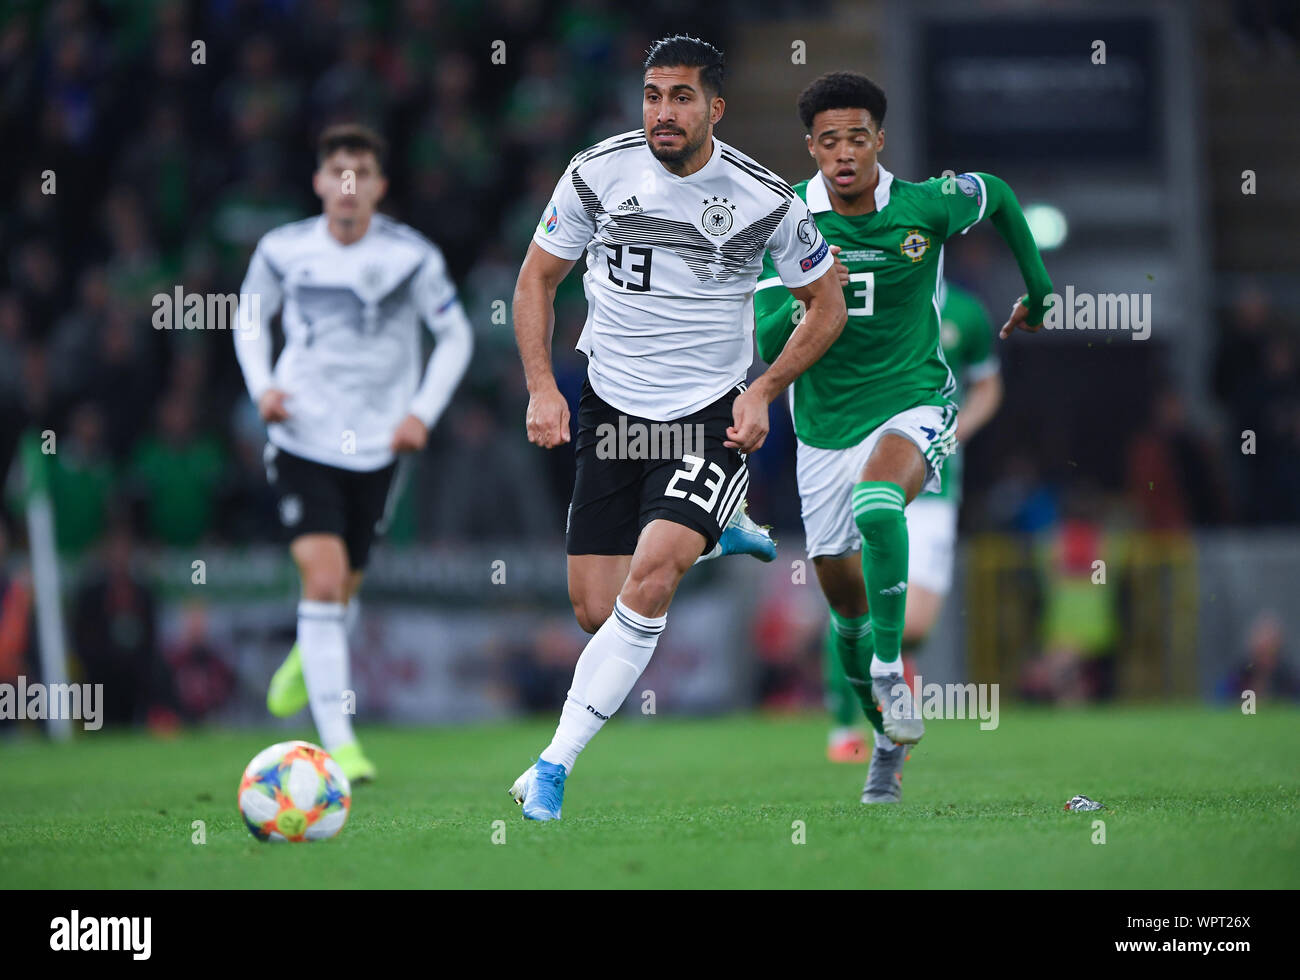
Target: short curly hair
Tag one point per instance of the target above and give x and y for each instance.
(841, 90)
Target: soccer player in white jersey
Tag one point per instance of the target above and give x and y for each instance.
(342, 401)
(674, 224)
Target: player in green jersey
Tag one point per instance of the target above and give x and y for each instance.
(875, 416)
(966, 333)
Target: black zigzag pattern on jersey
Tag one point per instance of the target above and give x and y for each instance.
(398, 296)
(599, 150)
(760, 174)
(629, 137)
(744, 245)
(683, 238)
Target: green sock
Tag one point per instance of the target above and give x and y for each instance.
(878, 512)
(849, 651)
(841, 700)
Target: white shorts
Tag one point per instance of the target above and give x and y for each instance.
(931, 535)
(826, 476)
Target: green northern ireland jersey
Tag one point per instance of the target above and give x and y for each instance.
(888, 358)
(966, 333)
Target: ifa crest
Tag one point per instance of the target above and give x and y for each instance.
(915, 245)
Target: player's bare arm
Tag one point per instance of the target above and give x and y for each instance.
(981, 402)
(534, 317)
(826, 314)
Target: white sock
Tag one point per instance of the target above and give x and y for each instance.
(614, 658)
(323, 640)
(883, 741)
(352, 616)
(717, 550)
(842, 734)
(886, 668)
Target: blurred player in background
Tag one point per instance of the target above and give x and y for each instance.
(876, 416)
(343, 400)
(966, 332)
(674, 224)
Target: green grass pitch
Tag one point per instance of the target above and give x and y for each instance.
(1197, 797)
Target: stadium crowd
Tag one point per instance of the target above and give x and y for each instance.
(155, 161)
(161, 140)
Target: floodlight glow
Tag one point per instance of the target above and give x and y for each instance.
(1048, 225)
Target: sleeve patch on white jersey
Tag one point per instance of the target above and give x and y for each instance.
(811, 261)
(550, 220)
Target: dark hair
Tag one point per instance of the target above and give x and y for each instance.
(350, 136)
(841, 90)
(684, 51)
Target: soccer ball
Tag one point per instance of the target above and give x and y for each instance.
(294, 791)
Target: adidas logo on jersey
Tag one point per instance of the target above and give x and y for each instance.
(631, 204)
(898, 589)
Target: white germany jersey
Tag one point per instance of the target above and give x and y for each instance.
(351, 317)
(671, 267)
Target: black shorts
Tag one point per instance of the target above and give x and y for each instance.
(631, 471)
(317, 499)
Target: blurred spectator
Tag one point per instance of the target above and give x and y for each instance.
(135, 267)
(539, 673)
(124, 377)
(201, 680)
(518, 504)
(259, 101)
(1174, 478)
(1081, 620)
(249, 505)
(37, 274)
(81, 481)
(114, 636)
(1267, 25)
(541, 104)
(17, 633)
(77, 335)
(1276, 495)
(1257, 378)
(1021, 500)
(788, 640)
(12, 391)
(178, 471)
(1264, 669)
(248, 209)
(351, 88)
(162, 166)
